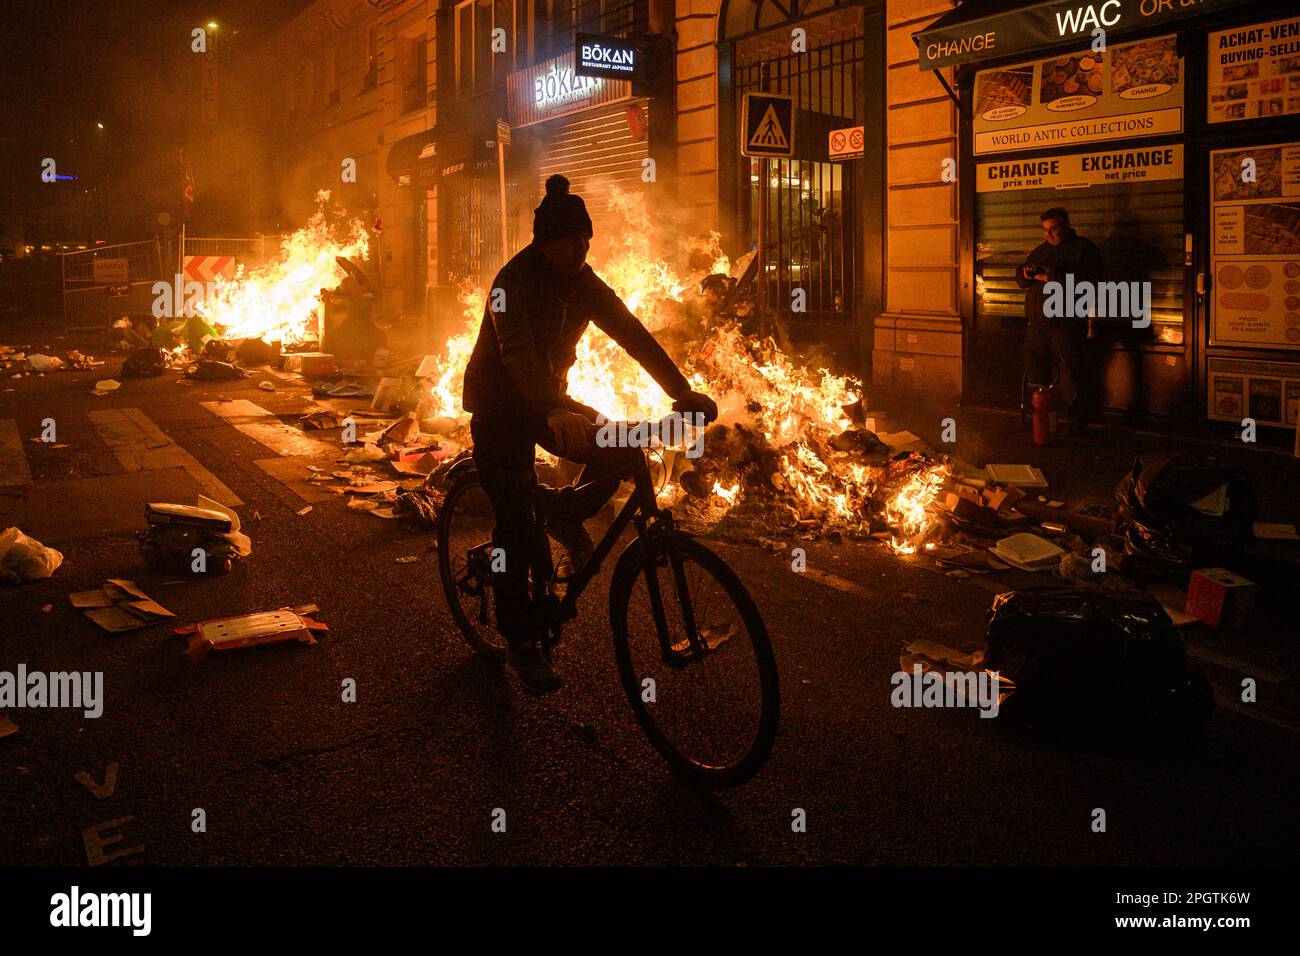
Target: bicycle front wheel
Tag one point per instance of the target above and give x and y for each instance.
(695, 660)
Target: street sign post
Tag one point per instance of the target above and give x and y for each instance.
(847, 143)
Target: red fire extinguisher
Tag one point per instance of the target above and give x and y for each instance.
(1041, 416)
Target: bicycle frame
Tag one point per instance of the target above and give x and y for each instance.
(641, 509)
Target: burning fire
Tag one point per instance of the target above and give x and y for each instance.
(277, 301)
(795, 410)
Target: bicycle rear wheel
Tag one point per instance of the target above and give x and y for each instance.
(710, 703)
(465, 564)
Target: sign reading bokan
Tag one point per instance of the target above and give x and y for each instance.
(767, 126)
(599, 56)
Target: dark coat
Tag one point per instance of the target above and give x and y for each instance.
(1075, 255)
(523, 354)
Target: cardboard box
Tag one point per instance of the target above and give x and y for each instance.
(1219, 598)
(309, 364)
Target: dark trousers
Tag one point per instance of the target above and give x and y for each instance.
(503, 453)
(1066, 344)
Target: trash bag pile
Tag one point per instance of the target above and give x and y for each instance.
(1096, 667)
(1182, 514)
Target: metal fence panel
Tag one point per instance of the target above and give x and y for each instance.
(103, 283)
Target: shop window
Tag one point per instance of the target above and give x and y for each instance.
(1137, 226)
(478, 69)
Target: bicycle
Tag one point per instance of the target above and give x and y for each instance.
(663, 636)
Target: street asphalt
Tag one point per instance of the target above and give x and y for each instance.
(411, 773)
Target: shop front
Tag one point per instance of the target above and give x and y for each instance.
(819, 216)
(1167, 130)
(606, 135)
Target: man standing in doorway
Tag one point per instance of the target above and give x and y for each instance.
(1061, 339)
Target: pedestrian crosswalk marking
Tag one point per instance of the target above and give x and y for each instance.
(261, 426)
(140, 445)
(14, 472)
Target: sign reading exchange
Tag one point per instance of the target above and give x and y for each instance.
(964, 36)
(1081, 170)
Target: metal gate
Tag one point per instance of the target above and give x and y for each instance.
(811, 233)
(103, 283)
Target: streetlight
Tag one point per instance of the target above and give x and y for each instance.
(212, 25)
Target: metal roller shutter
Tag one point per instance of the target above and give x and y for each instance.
(594, 150)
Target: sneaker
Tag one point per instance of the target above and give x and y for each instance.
(533, 669)
(577, 544)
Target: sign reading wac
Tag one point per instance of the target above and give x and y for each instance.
(966, 36)
(599, 55)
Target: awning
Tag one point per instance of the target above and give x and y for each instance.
(981, 30)
(436, 153)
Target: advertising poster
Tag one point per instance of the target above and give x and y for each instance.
(1255, 260)
(1268, 392)
(1254, 72)
(1128, 90)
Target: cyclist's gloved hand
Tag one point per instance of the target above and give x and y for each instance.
(693, 403)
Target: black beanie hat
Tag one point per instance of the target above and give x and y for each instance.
(561, 214)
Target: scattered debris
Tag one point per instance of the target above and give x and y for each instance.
(7, 726)
(303, 511)
(144, 363)
(175, 531)
(266, 386)
(44, 363)
(1275, 532)
(47, 608)
(364, 453)
(1022, 476)
(120, 606)
(23, 558)
(319, 420)
(1219, 598)
(311, 364)
(251, 630)
(417, 507)
(101, 791)
(1028, 552)
(104, 386)
(408, 559)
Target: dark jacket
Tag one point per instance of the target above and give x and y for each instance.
(1075, 255)
(523, 354)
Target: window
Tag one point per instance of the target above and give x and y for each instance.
(371, 78)
(478, 69)
(415, 73)
(555, 21)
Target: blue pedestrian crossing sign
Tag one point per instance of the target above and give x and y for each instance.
(767, 125)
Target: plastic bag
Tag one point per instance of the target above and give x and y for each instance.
(1102, 667)
(1182, 513)
(23, 558)
(144, 363)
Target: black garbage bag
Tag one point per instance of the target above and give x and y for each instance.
(1165, 533)
(1095, 667)
(171, 548)
(144, 363)
(211, 371)
(417, 508)
(258, 352)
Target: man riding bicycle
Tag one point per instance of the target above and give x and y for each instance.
(515, 387)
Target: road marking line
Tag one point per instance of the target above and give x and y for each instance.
(140, 445)
(13, 458)
(1236, 664)
(834, 581)
(1227, 701)
(261, 426)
